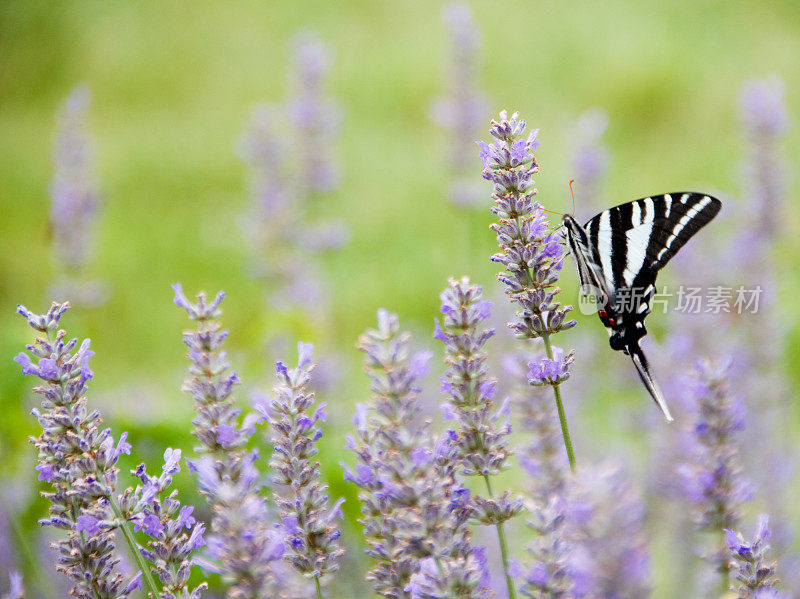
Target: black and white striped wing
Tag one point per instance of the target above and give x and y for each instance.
(635, 240)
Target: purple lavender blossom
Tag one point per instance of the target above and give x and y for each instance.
(174, 533)
(77, 458)
(546, 573)
(462, 108)
(290, 170)
(713, 479)
(75, 202)
(551, 372)
(482, 427)
(451, 566)
(765, 122)
(604, 518)
(15, 589)
(242, 547)
(315, 118)
(532, 258)
(413, 515)
(309, 523)
(750, 567)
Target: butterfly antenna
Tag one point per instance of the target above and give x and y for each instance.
(572, 193)
(554, 212)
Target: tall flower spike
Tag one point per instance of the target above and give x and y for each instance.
(78, 459)
(482, 427)
(604, 527)
(450, 565)
(546, 575)
(531, 257)
(460, 111)
(242, 547)
(407, 483)
(75, 202)
(713, 480)
(751, 568)
(315, 117)
(309, 523)
(289, 149)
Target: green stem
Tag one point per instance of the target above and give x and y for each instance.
(319, 588)
(128, 534)
(501, 537)
(562, 416)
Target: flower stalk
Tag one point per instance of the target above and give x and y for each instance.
(482, 428)
(531, 256)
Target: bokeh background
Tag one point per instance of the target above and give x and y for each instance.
(172, 89)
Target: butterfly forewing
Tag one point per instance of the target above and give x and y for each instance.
(645, 234)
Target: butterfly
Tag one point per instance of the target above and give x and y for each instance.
(619, 253)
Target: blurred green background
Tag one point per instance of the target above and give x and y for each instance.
(172, 86)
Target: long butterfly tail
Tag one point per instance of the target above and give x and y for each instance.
(643, 368)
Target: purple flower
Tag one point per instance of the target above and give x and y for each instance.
(551, 372)
(712, 478)
(227, 476)
(604, 521)
(88, 524)
(413, 509)
(75, 202)
(482, 437)
(750, 566)
(460, 110)
(314, 548)
(531, 258)
(73, 457)
(15, 589)
(172, 459)
(46, 472)
(185, 518)
(466, 382)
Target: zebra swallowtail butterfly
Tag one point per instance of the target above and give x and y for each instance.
(619, 253)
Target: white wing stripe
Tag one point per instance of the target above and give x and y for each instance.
(676, 230)
(638, 240)
(649, 211)
(604, 247)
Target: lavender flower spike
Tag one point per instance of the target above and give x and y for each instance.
(78, 459)
(604, 518)
(750, 565)
(315, 117)
(713, 480)
(460, 111)
(547, 574)
(242, 546)
(531, 257)
(75, 201)
(310, 533)
(413, 517)
(483, 429)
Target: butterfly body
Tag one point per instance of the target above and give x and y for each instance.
(619, 253)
